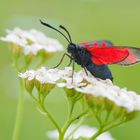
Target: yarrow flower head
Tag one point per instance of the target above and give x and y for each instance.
(81, 133)
(87, 85)
(44, 80)
(31, 43)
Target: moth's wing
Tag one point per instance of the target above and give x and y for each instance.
(108, 55)
(103, 52)
(133, 57)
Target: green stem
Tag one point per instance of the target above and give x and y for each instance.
(77, 126)
(19, 112)
(51, 118)
(71, 106)
(98, 119)
(69, 122)
(100, 131)
(39, 97)
(34, 98)
(47, 112)
(114, 125)
(42, 61)
(103, 129)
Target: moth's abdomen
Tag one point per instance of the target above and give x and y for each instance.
(102, 72)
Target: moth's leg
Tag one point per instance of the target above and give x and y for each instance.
(73, 68)
(70, 61)
(61, 60)
(85, 70)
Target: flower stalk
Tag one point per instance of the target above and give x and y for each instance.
(51, 118)
(19, 112)
(99, 132)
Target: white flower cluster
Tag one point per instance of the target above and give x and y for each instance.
(32, 41)
(82, 83)
(121, 97)
(82, 132)
(42, 75)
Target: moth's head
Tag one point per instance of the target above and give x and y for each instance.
(71, 47)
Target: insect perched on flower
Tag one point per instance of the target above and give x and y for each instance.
(96, 55)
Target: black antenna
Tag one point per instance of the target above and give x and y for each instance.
(48, 25)
(62, 27)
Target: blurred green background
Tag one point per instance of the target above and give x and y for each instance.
(87, 20)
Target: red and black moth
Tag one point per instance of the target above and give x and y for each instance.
(96, 55)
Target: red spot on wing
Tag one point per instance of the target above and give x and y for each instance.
(86, 44)
(104, 44)
(95, 44)
(89, 44)
(108, 55)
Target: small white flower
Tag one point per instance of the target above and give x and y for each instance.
(29, 75)
(32, 48)
(42, 75)
(14, 37)
(121, 97)
(83, 131)
(32, 41)
(47, 76)
(77, 81)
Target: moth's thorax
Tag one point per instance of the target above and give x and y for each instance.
(79, 54)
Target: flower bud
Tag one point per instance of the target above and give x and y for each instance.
(29, 85)
(46, 88)
(72, 94)
(16, 50)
